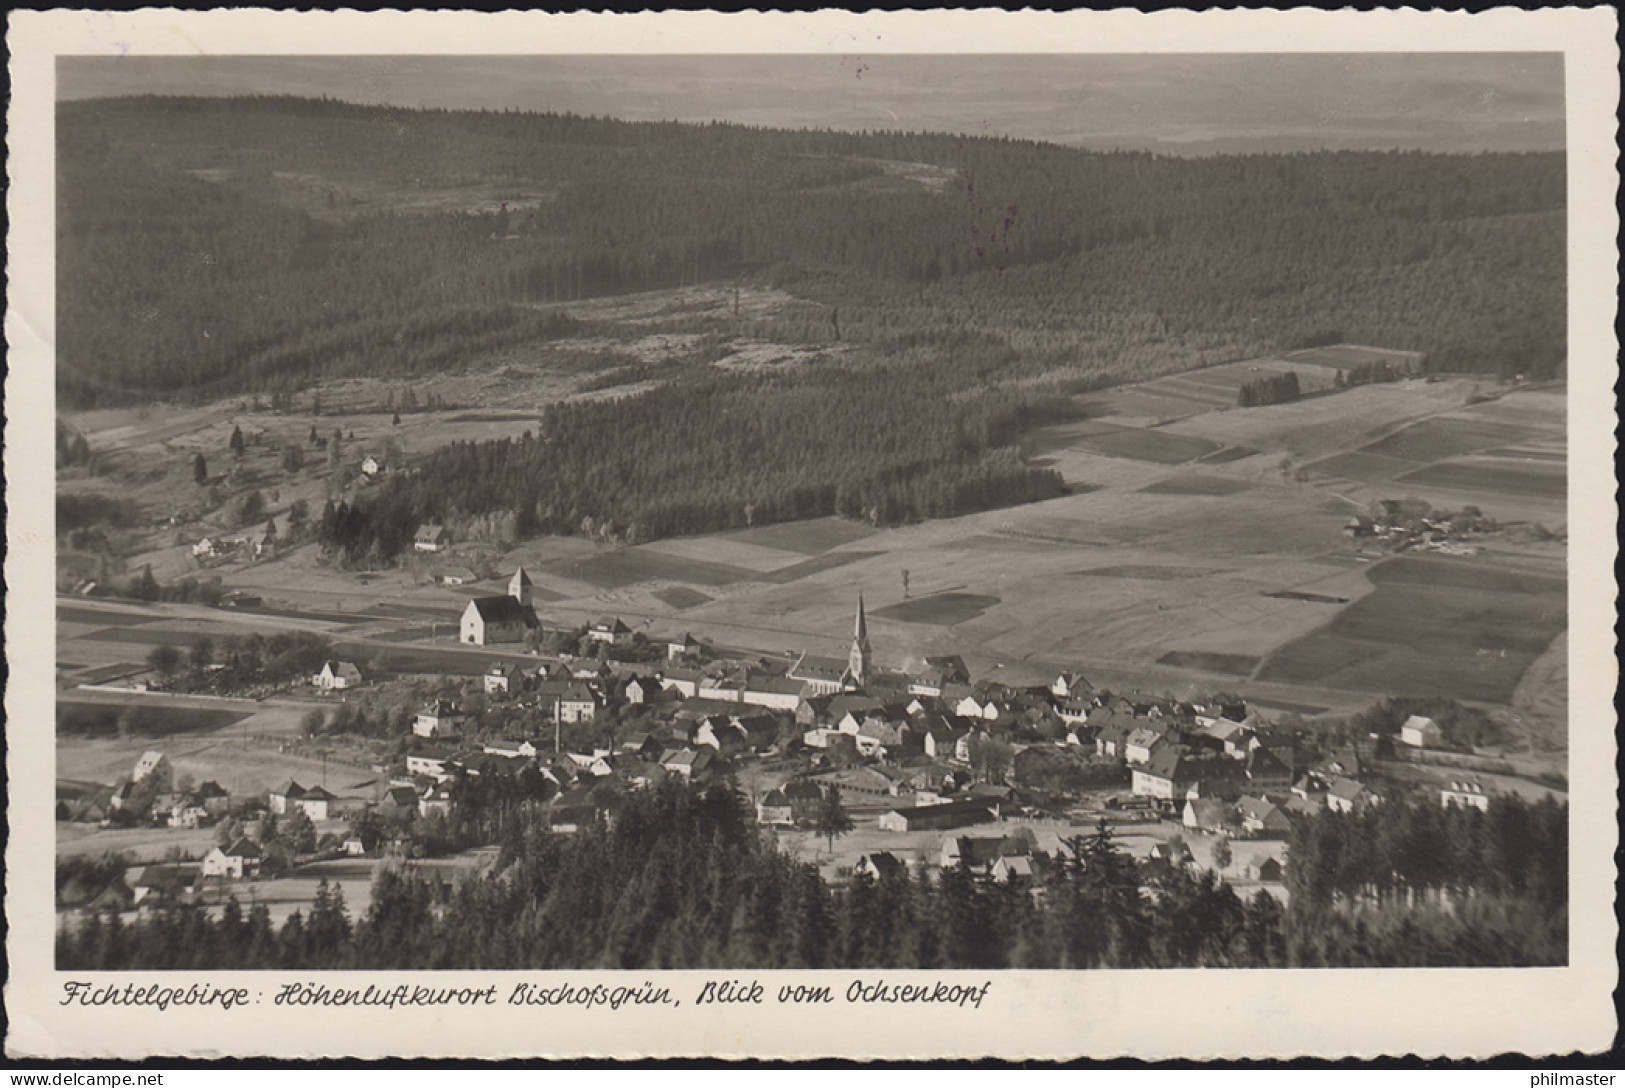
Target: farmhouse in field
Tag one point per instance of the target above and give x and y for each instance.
(499, 619)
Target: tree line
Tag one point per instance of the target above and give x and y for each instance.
(684, 879)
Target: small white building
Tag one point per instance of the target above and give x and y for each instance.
(1420, 732)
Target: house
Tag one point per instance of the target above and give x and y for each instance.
(610, 631)
(1266, 869)
(436, 801)
(1206, 814)
(1070, 685)
(354, 847)
(487, 620)
(430, 538)
(686, 646)
(235, 862)
(639, 690)
(433, 762)
(1172, 772)
(773, 692)
(805, 798)
(313, 801)
(939, 817)
(1347, 795)
(439, 719)
(1466, 792)
(686, 682)
(1261, 819)
(774, 809)
(977, 853)
(1139, 744)
(880, 865)
(188, 813)
(214, 798)
(371, 466)
(499, 678)
(511, 748)
(1026, 868)
(155, 770)
(688, 763)
(338, 676)
(397, 802)
(1265, 771)
(456, 576)
(203, 549)
(578, 703)
(163, 885)
(1421, 732)
(721, 734)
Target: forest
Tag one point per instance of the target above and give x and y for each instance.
(215, 246)
(682, 879)
(720, 453)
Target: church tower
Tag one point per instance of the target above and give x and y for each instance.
(519, 587)
(858, 664)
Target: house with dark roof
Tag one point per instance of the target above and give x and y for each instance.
(773, 810)
(430, 538)
(240, 859)
(609, 630)
(440, 718)
(338, 676)
(1347, 795)
(880, 865)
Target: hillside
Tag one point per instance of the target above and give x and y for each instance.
(211, 246)
(932, 297)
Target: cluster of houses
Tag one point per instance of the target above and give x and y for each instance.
(1410, 524)
(927, 750)
(148, 795)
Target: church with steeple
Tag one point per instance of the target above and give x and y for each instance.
(860, 658)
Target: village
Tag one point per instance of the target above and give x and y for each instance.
(853, 767)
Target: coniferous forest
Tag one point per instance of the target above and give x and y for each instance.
(683, 880)
(961, 286)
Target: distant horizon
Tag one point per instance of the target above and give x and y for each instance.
(1178, 104)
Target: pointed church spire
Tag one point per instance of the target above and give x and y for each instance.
(858, 658)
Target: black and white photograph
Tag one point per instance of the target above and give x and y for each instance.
(871, 513)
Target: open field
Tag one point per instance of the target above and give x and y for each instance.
(1537, 480)
(804, 537)
(1157, 446)
(1195, 483)
(1432, 627)
(1438, 439)
(943, 609)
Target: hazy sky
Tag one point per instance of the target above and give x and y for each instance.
(1178, 103)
